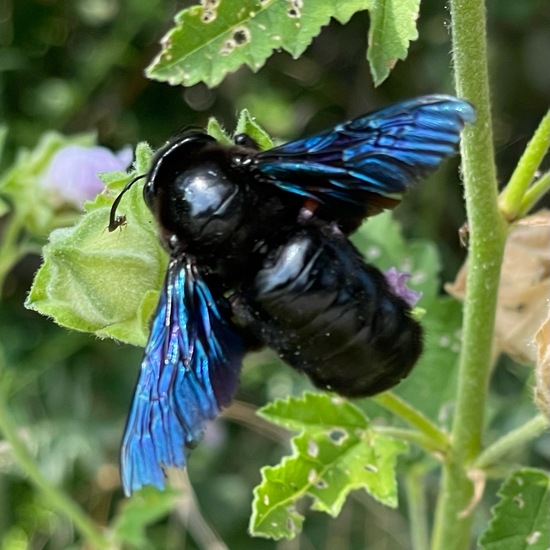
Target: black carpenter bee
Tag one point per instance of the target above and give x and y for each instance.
(259, 255)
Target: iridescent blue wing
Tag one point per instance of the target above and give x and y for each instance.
(190, 370)
(370, 161)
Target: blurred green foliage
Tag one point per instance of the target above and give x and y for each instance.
(78, 65)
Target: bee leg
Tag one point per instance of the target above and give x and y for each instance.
(243, 321)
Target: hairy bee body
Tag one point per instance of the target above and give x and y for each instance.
(260, 256)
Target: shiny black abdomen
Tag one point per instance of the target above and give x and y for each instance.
(330, 315)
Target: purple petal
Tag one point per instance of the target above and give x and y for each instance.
(72, 176)
(397, 280)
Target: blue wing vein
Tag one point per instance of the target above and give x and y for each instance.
(189, 372)
(380, 154)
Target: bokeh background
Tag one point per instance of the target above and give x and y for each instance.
(78, 65)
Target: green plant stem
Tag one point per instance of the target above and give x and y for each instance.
(534, 194)
(399, 407)
(452, 530)
(412, 436)
(53, 497)
(417, 506)
(513, 195)
(512, 441)
(10, 250)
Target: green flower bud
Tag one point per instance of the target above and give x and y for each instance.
(97, 281)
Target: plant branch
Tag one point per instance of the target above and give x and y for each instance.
(423, 441)
(10, 249)
(513, 440)
(534, 194)
(511, 199)
(400, 408)
(487, 237)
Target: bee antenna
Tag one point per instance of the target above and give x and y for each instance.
(114, 220)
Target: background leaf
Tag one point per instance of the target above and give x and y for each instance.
(144, 508)
(392, 28)
(521, 520)
(212, 40)
(22, 183)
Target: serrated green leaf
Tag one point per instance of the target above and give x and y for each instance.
(101, 282)
(521, 519)
(337, 452)
(216, 38)
(314, 411)
(247, 125)
(216, 130)
(145, 507)
(392, 28)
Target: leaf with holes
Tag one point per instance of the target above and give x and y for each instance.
(336, 452)
(521, 519)
(217, 37)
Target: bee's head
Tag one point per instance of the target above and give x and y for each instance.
(191, 192)
(171, 162)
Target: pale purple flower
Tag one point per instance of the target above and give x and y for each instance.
(72, 176)
(397, 280)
